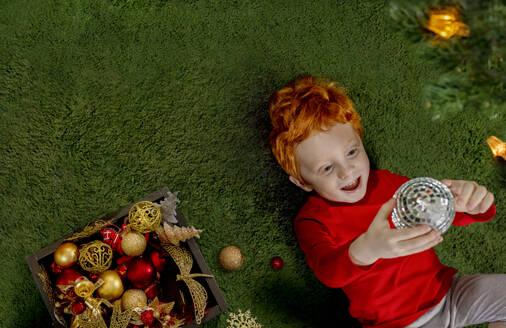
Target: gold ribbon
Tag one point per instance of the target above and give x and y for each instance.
(46, 284)
(90, 230)
(192, 275)
(184, 261)
(92, 316)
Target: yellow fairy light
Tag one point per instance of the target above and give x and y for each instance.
(444, 22)
(497, 146)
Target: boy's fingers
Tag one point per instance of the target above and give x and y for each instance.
(410, 233)
(465, 194)
(456, 187)
(431, 243)
(487, 202)
(386, 209)
(477, 197)
(420, 241)
(447, 182)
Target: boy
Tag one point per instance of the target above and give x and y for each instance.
(392, 277)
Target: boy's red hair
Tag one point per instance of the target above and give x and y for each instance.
(299, 108)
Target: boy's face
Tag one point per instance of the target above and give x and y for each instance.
(333, 163)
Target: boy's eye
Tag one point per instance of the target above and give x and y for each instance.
(327, 169)
(352, 152)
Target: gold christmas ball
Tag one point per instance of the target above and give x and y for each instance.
(144, 217)
(231, 258)
(133, 243)
(95, 257)
(133, 298)
(66, 254)
(112, 287)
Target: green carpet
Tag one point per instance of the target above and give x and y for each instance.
(103, 102)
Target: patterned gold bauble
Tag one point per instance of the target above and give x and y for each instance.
(66, 254)
(133, 298)
(144, 217)
(112, 287)
(133, 243)
(231, 258)
(95, 257)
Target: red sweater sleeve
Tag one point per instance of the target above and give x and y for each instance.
(328, 258)
(462, 219)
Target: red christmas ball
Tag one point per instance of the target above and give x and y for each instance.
(66, 280)
(157, 260)
(147, 317)
(78, 307)
(140, 272)
(277, 263)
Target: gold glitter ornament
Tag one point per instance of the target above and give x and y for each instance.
(231, 258)
(95, 257)
(133, 243)
(144, 217)
(134, 298)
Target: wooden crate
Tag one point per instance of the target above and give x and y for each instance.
(42, 259)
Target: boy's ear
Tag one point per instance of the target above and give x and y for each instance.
(300, 184)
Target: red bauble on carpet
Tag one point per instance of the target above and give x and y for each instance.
(277, 263)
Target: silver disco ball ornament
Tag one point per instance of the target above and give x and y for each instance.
(424, 201)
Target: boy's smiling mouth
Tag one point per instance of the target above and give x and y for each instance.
(352, 186)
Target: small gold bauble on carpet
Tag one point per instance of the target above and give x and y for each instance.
(95, 257)
(133, 243)
(144, 217)
(231, 258)
(112, 287)
(133, 298)
(66, 254)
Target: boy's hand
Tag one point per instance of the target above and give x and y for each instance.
(470, 197)
(380, 241)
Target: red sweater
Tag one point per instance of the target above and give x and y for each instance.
(389, 292)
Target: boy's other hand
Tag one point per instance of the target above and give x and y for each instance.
(381, 241)
(470, 197)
